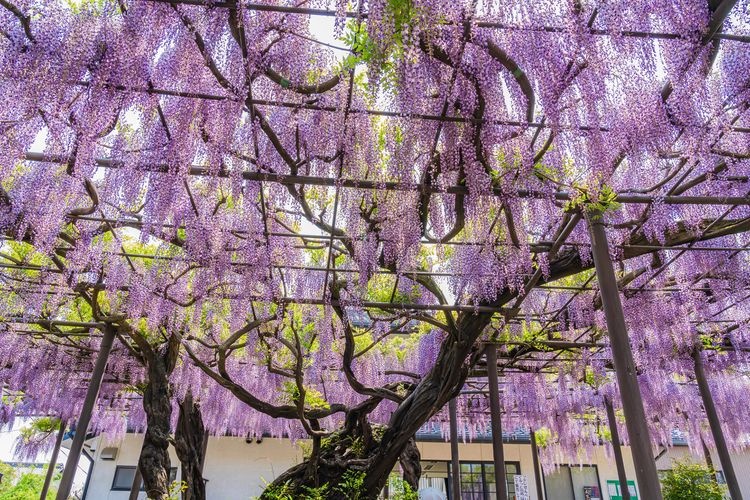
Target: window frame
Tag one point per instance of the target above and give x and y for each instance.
(570, 474)
(118, 468)
(483, 474)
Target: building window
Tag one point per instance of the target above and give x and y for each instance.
(478, 480)
(574, 483)
(124, 475)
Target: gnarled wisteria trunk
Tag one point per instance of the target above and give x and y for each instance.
(189, 441)
(154, 461)
(343, 468)
(189, 436)
(411, 467)
(437, 387)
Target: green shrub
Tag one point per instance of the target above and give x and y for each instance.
(28, 487)
(400, 490)
(688, 481)
(351, 485)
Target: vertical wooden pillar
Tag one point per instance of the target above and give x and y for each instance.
(205, 450)
(501, 488)
(82, 425)
(715, 424)
(135, 488)
(622, 357)
(707, 455)
(617, 449)
(537, 469)
(53, 461)
(455, 469)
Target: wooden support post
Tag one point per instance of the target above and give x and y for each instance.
(537, 469)
(622, 357)
(205, 450)
(52, 461)
(82, 425)
(707, 455)
(501, 488)
(135, 488)
(455, 469)
(715, 425)
(617, 449)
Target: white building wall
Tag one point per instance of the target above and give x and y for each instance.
(521, 452)
(234, 468)
(239, 470)
(607, 470)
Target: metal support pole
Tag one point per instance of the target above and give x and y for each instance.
(82, 425)
(53, 461)
(715, 424)
(501, 488)
(622, 358)
(537, 470)
(617, 449)
(455, 469)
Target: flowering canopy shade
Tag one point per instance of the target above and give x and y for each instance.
(326, 211)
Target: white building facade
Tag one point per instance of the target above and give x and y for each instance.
(237, 469)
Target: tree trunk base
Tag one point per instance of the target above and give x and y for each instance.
(343, 469)
(189, 445)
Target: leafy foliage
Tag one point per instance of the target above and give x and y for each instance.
(596, 203)
(282, 491)
(351, 485)
(40, 425)
(36, 436)
(28, 487)
(176, 488)
(690, 481)
(8, 477)
(398, 489)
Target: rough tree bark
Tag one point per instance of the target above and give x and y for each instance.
(337, 463)
(154, 461)
(410, 465)
(188, 443)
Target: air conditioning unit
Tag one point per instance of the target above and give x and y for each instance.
(108, 453)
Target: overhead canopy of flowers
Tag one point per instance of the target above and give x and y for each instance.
(312, 215)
